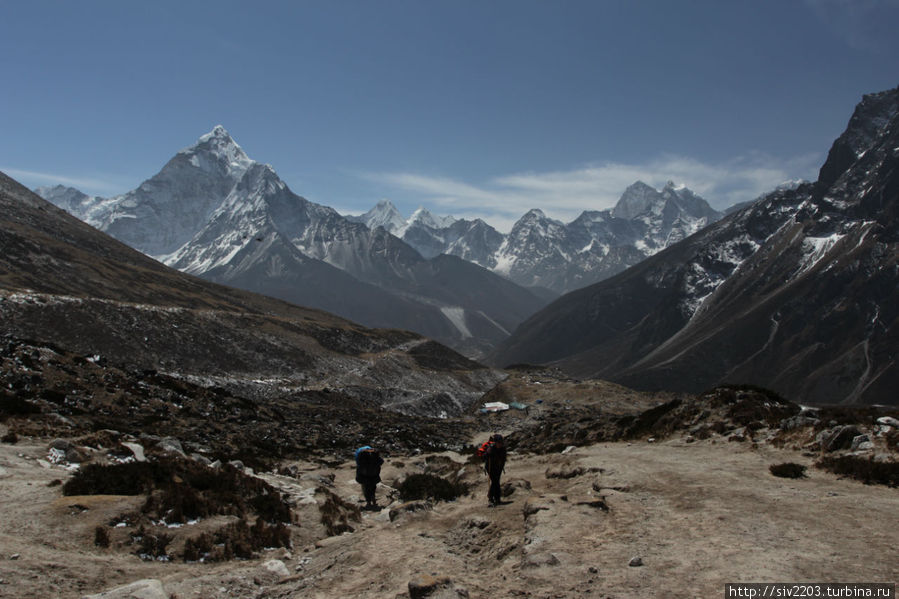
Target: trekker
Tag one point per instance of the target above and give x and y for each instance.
(368, 473)
(494, 465)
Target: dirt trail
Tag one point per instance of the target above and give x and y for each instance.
(698, 515)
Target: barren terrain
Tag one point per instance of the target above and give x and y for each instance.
(698, 514)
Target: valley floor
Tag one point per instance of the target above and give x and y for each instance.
(698, 515)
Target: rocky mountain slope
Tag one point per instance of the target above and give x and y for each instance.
(66, 284)
(797, 292)
(213, 212)
(542, 252)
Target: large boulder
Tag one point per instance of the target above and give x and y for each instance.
(148, 588)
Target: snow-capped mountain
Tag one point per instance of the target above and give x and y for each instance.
(796, 292)
(214, 212)
(384, 214)
(542, 252)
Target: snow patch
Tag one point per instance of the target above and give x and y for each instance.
(456, 316)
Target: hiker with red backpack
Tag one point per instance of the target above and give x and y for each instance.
(368, 473)
(494, 454)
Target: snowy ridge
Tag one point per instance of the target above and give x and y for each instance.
(540, 251)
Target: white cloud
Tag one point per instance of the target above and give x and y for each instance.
(565, 194)
(86, 185)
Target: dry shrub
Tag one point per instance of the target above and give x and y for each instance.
(150, 545)
(336, 514)
(788, 470)
(428, 486)
(178, 490)
(866, 470)
(237, 540)
(101, 537)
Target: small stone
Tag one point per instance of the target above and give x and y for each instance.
(14, 556)
(635, 562)
(593, 570)
(137, 450)
(426, 585)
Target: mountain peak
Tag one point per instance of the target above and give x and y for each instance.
(218, 132)
(534, 213)
(423, 216)
(216, 149)
(383, 214)
(636, 199)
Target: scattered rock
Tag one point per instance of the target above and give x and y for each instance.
(888, 421)
(569, 449)
(409, 507)
(534, 505)
(798, 421)
(62, 445)
(509, 487)
(565, 471)
(14, 556)
(434, 587)
(839, 437)
(148, 588)
(599, 504)
(271, 572)
(77, 455)
(136, 449)
(860, 440)
(635, 562)
(199, 457)
(170, 445)
(538, 559)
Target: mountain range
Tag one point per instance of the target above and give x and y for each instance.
(540, 252)
(796, 292)
(214, 212)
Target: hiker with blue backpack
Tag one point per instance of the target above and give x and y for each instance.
(368, 473)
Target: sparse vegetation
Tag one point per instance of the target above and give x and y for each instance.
(336, 514)
(101, 537)
(428, 486)
(788, 470)
(867, 470)
(178, 490)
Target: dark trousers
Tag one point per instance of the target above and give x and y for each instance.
(368, 490)
(495, 493)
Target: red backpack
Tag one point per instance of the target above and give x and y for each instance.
(484, 448)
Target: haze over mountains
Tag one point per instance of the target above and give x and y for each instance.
(796, 292)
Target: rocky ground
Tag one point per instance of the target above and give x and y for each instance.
(608, 493)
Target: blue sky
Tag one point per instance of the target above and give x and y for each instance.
(471, 108)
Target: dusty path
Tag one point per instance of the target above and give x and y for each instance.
(698, 515)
